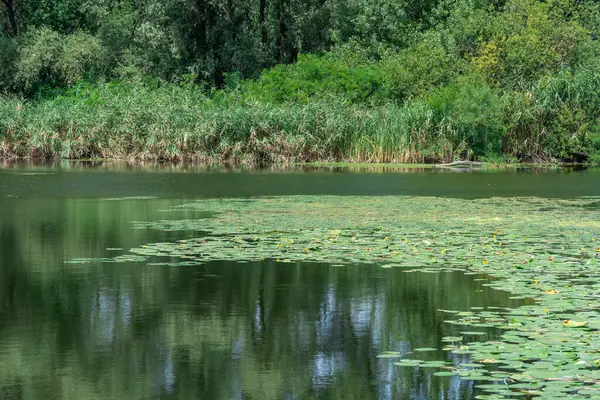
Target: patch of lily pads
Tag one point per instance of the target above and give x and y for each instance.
(541, 249)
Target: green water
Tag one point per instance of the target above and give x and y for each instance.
(222, 330)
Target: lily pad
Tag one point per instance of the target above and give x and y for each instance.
(546, 260)
(444, 373)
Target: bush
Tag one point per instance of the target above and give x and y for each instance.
(49, 58)
(430, 63)
(316, 77)
(558, 119)
(81, 56)
(8, 57)
(595, 158)
(358, 78)
(471, 112)
(37, 59)
(531, 41)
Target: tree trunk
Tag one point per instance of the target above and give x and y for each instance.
(285, 50)
(9, 5)
(280, 35)
(200, 28)
(261, 21)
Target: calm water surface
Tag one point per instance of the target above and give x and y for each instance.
(222, 330)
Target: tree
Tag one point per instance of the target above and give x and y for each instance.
(9, 9)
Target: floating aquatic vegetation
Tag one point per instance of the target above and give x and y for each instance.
(130, 198)
(542, 249)
(390, 354)
(119, 259)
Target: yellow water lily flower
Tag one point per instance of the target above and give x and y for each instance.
(573, 324)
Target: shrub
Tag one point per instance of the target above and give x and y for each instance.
(430, 63)
(530, 41)
(471, 112)
(557, 119)
(316, 77)
(49, 58)
(8, 57)
(37, 58)
(81, 57)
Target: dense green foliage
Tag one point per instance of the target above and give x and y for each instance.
(275, 80)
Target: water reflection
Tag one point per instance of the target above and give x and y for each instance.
(217, 331)
(115, 179)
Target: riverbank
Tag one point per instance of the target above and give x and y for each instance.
(184, 123)
(508, 82)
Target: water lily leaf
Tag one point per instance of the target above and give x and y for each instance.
(410, 360)
(573, 324)
(390, 355)
(433, 364)
(542, 261)
(471, 365)
(444, 373)
(452, 339)
(408, 363)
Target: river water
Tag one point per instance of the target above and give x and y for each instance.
(223, 330)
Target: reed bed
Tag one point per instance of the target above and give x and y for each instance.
(178, 124)
(172, 123)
